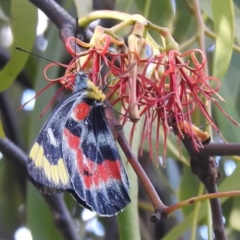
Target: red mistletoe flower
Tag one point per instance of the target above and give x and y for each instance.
(167, 90)
(163, 88)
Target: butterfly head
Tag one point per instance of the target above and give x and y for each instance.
(82, 82)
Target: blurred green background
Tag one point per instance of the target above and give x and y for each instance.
(24, 215)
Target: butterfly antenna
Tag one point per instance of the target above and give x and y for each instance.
(36, 55)
(75, 50)
(105, 87)
(109, 105)
(49, 85)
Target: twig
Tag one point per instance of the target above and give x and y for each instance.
(65, 23)
(205, 168)
(220, 149)
(201, 198)
(217, 217)
(61, 216)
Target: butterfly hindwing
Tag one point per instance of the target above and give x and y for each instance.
(97, 174)
(46, 165)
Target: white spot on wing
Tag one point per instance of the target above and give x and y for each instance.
(52, 139)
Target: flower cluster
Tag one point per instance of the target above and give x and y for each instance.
(159, 85)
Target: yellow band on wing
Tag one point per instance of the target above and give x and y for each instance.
(53, 172)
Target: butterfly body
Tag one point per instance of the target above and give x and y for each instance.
(76, 152)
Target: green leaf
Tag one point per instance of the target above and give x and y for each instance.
(234, 214)
(128, 220)
(237, 24)
(40, 219)
(184, 22)
(84, 8)
(12, 191)
(158, 12)
(223, 19)
(24, 21)
(206, 7)
(2, 134)
(189, 187)
(230, 92)
(5, 9)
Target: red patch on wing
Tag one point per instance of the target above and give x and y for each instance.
(81, 111)
(94, 173)
(72, 140)
(74, 143)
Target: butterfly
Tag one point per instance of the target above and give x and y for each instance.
(75, 151)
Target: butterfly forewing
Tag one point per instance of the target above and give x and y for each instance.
(46, 165)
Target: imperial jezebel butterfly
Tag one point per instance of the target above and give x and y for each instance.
(75, 151)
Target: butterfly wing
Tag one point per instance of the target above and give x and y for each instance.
(45, 164)
(93, 162)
